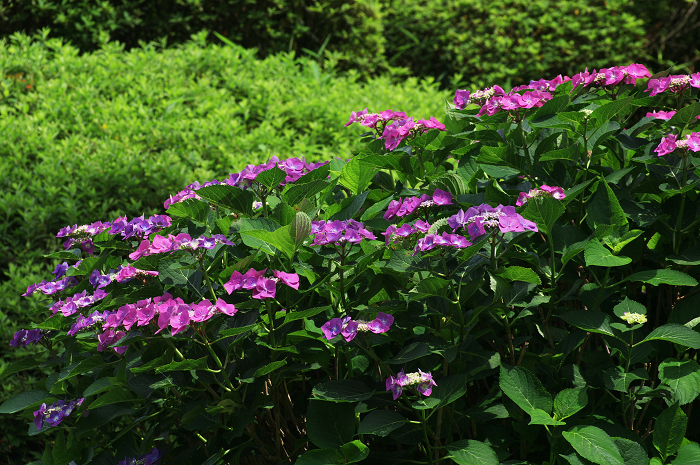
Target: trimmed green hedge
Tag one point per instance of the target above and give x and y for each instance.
(480, 41)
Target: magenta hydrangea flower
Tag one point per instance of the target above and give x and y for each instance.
(348, 328)
(404, 207)
(339, 232)
(556, 192)
(24, 337)
(55, 413)
(476, 220)
(152, 458)
(430, 241)
(670, 143)
(423, 381)
(261, 286)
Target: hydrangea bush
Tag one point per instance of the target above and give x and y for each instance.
(517, 285)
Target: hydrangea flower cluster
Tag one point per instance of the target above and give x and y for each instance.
(404, 207)
(339, 232)
(430, 241)
(261, 286)
(611, 76)
(152, 458)
(556, 192)
(120, 275)
(633, 318)
(76, 301)
(183, 241)
(83, 235)
(676, 83)
(493, 99)
(405, 231)
(423, 381)
(24, 337)
(664, 115)
(55, 413)
(140, 226)
(52, 287)
(348, 328)
(476, 219)
(671, 143)
(394, 126)
(293, 167)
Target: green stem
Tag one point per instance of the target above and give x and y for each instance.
(679, 219)
(207, 279)
(526, 149)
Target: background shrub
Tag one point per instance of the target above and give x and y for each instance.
(482, 42)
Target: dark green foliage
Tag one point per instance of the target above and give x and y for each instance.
(478, 42)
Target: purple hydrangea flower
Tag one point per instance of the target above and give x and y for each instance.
(152, 458)
(476, 220)
(423, 381)
(55, 413)
(24, 337)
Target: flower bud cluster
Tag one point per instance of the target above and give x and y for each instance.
(261, 286)
(349, 328)
(55, 413)
(24, 337)
(670, 143)
(556, 192)
(423, 381)
(675, 83)
(183, 241)
(633, 318)
(430, 241)
(76, 301)
(152, 458)
(404, 207)
(339, 232)
(405, 231)
(476, 220)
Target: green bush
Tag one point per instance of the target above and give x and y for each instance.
(114, 133)
(480, 42)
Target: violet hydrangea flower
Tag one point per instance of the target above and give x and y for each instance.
(55, 413)
(152, 458)
(556, 192)
(423, 381)
(348, 328)
(24, 337)
(670, 143)
(476, 220)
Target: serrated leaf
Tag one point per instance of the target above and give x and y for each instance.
(683, 377)
(540, 417)
(411, 352)
(113, 396)
(569, 401)
(296, 192)
(342, 390)
(280, 239)
(519, 273)
(271, 178)
(269, 368)
(678, 334)
(545, 211)
(629, 306)
(632, 453)
(25, 399)
(685, 115)
(669, 430)
(688, 455)
(617, 379)
(472, 452)
(381, 422)
(605, 209)
(356, 175)
(594, 322)
(300, 228)
(184, 365)
(230, 197)
(192, 209)
(663, 276)
(596, 254)
(569, 153)
(606, 112)
(330, 424)
(594, 444)
(523, 388)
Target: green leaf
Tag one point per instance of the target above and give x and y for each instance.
(523, 388)
(193, 209)
(632, 452)
(269, 368)
(300, 228)
(411, 352)
(356, 175)
(663, 276)
(544, 211)
(113, 396)
(569, 153)
(596, 254)
(519, 273)
(540, 417)
(685, 115)
(452, 183)
(594, 444)
(271, 178)
(449, 389)
(318, 457)
(184, 365)
(629, 306)
(688, 455)
(381, 422)
(233, 198)
(354, 451)
(605, 209)
(606, 112)
(25, 399)
(431, 286)
(617, 379)
(678, 334)
(669, 430)
(342, 390)
(594, 322)
(294, 193)
(683, 377)
(330, 424)
(280, 239)
(569, 401)
(472, 452)
(375, 209)
(83, 366)
(179, 272)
